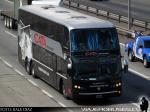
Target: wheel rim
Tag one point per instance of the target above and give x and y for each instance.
(10, 23)
(5, 21)
(33, 72)
(27, 67)
(63, 91)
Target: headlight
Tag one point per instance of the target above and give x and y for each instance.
(118, 84)
(77, 87)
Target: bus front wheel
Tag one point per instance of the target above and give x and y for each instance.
(33, 72)
(63, 90)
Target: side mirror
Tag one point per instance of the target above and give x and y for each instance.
(125, 69)
(65, 56)
(69, 66)
(129, 35)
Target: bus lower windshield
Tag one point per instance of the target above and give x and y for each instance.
(94, 39)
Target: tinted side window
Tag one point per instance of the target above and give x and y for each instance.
(59, 33)
(24, 17)
(39, 25)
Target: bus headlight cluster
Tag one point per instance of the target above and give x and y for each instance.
(77, 87)
(118, 84)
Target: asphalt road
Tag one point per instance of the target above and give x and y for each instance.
(135, 84)
(17, 91)
(6, 5)
(139, 9)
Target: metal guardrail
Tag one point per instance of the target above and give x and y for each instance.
(79, 4)
(121, 31)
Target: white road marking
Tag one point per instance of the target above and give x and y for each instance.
(19, 72)
(49, 95)
(45, 92)
(61, 104)
(33, 82)
(9, 65)
(122, 44)
(135, 72)
(13, 36)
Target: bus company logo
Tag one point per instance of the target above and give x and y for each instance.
(40, 39)
(91, 54)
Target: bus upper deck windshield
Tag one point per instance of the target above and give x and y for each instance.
(94, 40)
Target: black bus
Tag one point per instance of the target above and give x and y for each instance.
(77, 54)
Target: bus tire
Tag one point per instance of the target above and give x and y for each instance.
(65, 94)
(28, 66)
(33, 70)
(62, 89)
(15, 24)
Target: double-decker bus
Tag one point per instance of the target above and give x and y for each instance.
(77, 54)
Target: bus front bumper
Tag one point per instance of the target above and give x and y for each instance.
(99, 94)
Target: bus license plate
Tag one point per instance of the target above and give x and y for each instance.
(98, 96)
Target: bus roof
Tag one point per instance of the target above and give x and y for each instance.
(66, 17)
